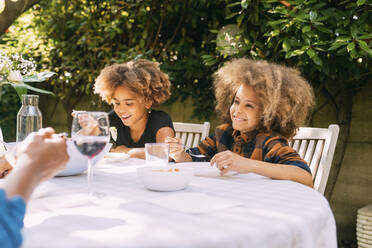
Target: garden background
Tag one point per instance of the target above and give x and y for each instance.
(328, 41)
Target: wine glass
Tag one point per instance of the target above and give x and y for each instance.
(90, 134)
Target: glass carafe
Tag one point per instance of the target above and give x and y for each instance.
(29, 117)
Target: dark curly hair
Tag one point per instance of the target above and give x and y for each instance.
(285, 96)
(142, 76)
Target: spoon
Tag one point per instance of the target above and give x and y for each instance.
(188, 150)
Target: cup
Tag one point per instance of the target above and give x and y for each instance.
(157, 154)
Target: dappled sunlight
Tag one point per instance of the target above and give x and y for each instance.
(2, 6)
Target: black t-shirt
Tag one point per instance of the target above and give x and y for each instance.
(157, 119)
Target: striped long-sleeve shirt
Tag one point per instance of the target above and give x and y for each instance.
(258, 146)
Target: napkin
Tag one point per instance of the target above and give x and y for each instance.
(194, 203)
(204, 169)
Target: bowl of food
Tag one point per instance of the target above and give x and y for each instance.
(165, 178)
(78, 163)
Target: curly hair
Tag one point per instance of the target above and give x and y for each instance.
(285, 96)
(142, 76)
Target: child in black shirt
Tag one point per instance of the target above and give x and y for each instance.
(133, 88)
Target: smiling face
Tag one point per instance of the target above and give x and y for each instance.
(130, 107)
(246, 109)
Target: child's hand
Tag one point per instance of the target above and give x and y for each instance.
(89, 125)
(227, 160)
(176, 151)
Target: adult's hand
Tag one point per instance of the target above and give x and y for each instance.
(44, 151)
(40, 156)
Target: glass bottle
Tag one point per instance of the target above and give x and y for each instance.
(29, 117)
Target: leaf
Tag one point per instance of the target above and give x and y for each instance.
(295, 53)
(306, 29)
(233, 4)
(354, 30)
(363, 45)
(274, 33)
(360, 2)
(311, 53)
(21, 90)
(336, 45)
(366, 36)
(244, 4)
(286, 46)
(313, 15)
(29, 87)
(39, 77)
(317, 60)
(240, 19)
(351, 46)
(272, 23)
(343, 39)
(323, 29)
(214, 31)
(231, 15)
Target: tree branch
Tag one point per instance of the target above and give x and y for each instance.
(177, 28)
(12, 11)
(286, 4)
(159, 28)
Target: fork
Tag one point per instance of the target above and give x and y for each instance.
(188, 150)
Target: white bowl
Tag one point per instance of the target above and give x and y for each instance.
(162, 178)
(78, 163)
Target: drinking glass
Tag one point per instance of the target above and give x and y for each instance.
(90, 134)
(157, 154)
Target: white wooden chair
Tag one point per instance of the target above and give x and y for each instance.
(317, 147)
(190, 133)
(2, 148)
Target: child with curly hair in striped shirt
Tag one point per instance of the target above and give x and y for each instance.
(262, 105)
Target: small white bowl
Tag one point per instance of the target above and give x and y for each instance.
(78, 163)
(165, 178)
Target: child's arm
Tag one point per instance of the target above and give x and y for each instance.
(163, 133)
(228, 160)
(132, 152)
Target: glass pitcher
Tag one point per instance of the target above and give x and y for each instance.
(29, 117)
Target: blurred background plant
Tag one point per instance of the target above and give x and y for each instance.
(17, 72)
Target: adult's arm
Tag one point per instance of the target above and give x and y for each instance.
(40, 156)
(12, 212)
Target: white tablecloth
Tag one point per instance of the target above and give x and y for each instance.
(271, 213)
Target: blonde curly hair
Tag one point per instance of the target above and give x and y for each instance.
(285, 96)
(142, 76)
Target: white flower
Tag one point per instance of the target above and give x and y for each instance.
(15, 76)
(114, 133)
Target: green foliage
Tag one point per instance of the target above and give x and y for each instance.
(9, 107)
(329, 41)
(83, 37)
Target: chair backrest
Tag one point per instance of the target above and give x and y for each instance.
(190, 133)
(1, 136)
(2, 149)
(317, 147)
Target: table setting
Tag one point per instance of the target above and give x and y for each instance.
(106, 199)
(208, 211)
